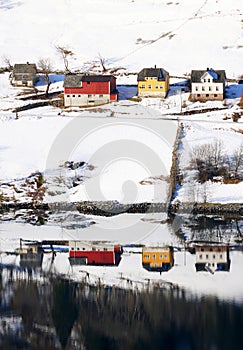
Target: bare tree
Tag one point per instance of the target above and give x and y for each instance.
(46, 68)
(65, 54)
(6, 60)
(237, 159)
(102, 63)
(208, 160)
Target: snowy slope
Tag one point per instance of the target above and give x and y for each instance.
(178, 35)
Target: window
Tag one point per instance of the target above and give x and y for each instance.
(146, 256)
(204, 80)
(161, 87)
(68, 95)
(203, 88)
(213, 256)
(202, 249)
(83, 248)
(100, 95)
(88, 82)
(208, 80)
(79, 95)
(206, 256)
(156, 86)
(161, 256)
(143, 86)
(221, 256)
(154, 256)
(146, 78)
(200, 256)
(215, 95)
(209, 88)
(217, 88)
(149, 87)
(166, 256)
(78, 248)
(73, 95)
(105, 249)
(196, 88)
(93, 249)
(207, 95)
(72, 248)
(198, 95)
(155, 78)
(89, 95)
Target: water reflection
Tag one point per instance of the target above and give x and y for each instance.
(208, 228)
(61, 315)
(213, 257)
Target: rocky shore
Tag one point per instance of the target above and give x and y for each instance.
(111, 208)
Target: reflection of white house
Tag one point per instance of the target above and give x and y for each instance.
(207, 84)
(214, 257)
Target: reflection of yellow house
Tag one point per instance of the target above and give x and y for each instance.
(158, 258)
(153, 82)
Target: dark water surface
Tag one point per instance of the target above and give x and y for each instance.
(58, 314)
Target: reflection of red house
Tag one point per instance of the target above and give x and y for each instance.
(85, 90)
(94, 253)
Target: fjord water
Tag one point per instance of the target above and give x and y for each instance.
(59, 314)
(51, 312)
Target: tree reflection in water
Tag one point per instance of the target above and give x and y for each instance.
(58, 314)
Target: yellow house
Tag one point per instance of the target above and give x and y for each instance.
(158, 258)
(153, 82)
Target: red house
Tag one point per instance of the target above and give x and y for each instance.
(89, 90)
(94, 253)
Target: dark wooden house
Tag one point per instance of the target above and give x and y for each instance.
(24, 75)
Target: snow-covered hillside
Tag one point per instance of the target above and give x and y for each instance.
(178, 35)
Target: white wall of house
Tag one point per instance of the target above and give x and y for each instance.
(211, 258)
(88, 246)
(79, 100)
(207, 88)
(22, 83)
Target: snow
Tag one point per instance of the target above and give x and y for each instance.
(204, 132)
(126, 146)
(128, 41)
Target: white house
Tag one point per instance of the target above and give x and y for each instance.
(207, 84)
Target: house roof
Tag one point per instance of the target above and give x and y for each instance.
(159, 73)
(25, 68)
(219, 76)
(74, 80)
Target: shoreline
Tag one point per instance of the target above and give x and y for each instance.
(112, 208)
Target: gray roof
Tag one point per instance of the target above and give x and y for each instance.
(159, 73)
(25, 68)
(74, 80)
(219, 76)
